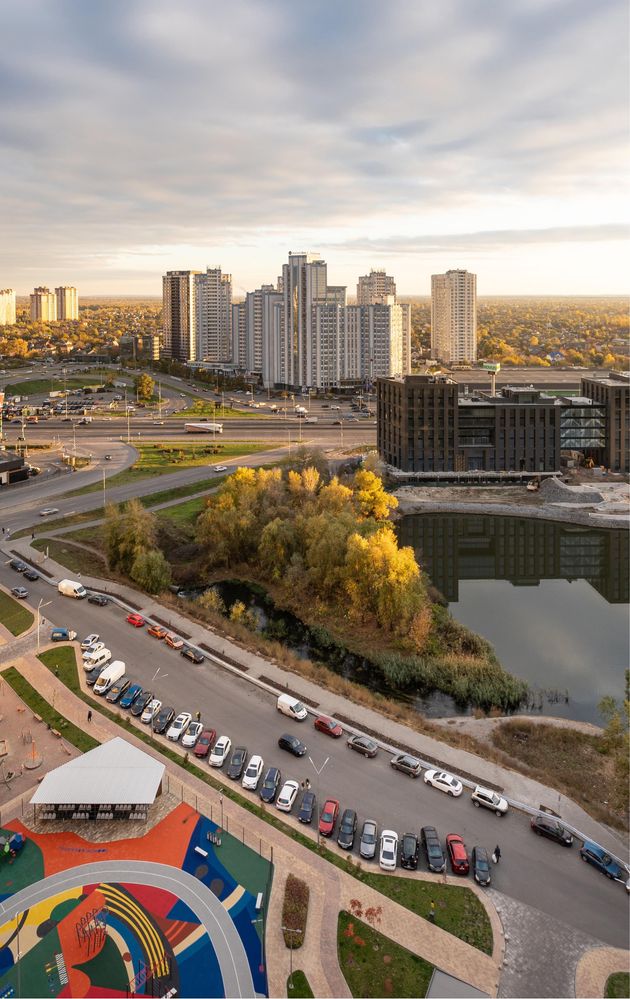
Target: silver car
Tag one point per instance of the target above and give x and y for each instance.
(369, 839)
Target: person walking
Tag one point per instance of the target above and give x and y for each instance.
(432, 912)
(90, 715)
(198, 715)
(496, 856)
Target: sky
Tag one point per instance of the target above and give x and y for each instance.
(138, 136)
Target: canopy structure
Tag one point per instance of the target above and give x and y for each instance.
(115, 773)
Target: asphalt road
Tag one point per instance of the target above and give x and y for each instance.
(532, 870)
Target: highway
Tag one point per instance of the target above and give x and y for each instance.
(532, 870)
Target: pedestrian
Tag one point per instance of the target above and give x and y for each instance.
(496, 856)
(308, 784)
(90, 715)
(198, 715)
(32, 535)
(3, 530)
(302, 784)
(432, 912)
(56, 671)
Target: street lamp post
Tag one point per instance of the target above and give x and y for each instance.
(287, 929)
(39, 607)
(319, 771)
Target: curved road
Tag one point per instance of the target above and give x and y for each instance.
(231, 955)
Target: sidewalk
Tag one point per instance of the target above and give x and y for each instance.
(331, 888)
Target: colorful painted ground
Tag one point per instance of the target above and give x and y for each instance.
(119, 939)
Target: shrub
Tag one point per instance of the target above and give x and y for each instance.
(295, 911)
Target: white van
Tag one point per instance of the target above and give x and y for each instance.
(290, 706)
(111, 674)
(70, 588)
(99, 658)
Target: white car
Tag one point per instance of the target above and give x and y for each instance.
(483, 797)
(158, 423)
(444, 782)
(220, 468)
(286, 799)
(89, 640)
(220, 751)
(179, 726)
(94, 647)
(192, 733)
(47, 511)
(152, 709)
(253, 772)
(388, 853)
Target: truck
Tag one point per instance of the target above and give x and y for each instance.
(70, 588)
(85, 421)
(311, 419)
(203, 428)
(300, 411)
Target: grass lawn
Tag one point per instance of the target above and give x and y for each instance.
(40, 707)
(13, 614)
(183, 513)
(373, 965)
(301, 989)
(37, 386)
(215, 412)
(618, 986)
(74, 558)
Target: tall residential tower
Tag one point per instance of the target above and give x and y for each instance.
(454, 317)
(67, 302)
(43, 306)
(213, 305)
(7, 307)
(178, 299)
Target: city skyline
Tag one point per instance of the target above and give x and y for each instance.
(415, 138)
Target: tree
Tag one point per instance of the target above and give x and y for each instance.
(370, 497)
(151, 571)
(144, 385)
(129, 531)
(277, 544)
(383, 580)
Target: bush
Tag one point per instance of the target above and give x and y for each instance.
(295, 911)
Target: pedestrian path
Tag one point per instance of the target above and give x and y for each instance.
(594, 968)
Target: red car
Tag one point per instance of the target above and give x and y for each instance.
(204, 743)
(136, 620)
(156, 631)
(328, 726)
(457, 854)
(328, 817)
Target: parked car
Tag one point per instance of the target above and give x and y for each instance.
(286, 799)
(136, 620)
(150, 711)
(480, 863)
(595, 855)
(90, 640)
(369, 838)
(361, 744)
(328, 726)
(140, 703)
(133, 690)
(205, 743)
(173, 641)
(436, 861)
(220, 751)
(307, 807)
(347, 829)
(388, 852)
(328, 817)
(31, 575)
(253, 773)
(444, 782)
(92, 675)
(406, 764)
(178, 726)
(99, 599)
(193, 655)
(20, 592)
(270, 784)
(409, 851)
(117, 689)
(457, 854)
(17, 565)
(90, 649)
(547, 825)
(483, 797)
(237, 763)
(292, 744)
(163, 719)
(62, 635)
(157, 631)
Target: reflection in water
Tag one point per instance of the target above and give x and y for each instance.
(550, 597)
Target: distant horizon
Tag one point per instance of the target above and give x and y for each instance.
(87, 296)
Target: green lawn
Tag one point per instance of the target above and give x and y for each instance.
(618, 986)
(373, 965)
(39, 386)
(216, 412)
(184, 513)
(301, 989)
(40, 707)
(13, 614)
(74, 558)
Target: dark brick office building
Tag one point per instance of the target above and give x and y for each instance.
(613, 393)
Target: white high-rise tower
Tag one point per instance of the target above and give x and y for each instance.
(454, 316)
(213, 291)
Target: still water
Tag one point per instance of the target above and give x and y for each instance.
(551, 598)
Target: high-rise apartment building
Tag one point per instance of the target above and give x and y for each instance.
(67, 302)
(372, 346)
(454, 316)
(179, 315)
(374, 288)
(239, 335)
(304, 283)
(7, 307)
(213, 304)
(43, 305)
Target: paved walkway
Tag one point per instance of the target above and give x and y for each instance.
(594, 968)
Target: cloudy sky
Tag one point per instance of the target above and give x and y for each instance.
(142, 135)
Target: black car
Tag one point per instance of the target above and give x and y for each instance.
(480, 863)
(347, 829)
(292, 744)
(17, 565)
(163, 719)
(237, 763)
(31, 574)
(98, 599)
(141, 702)
(192, 655)
(406, 764)
(117, 689)
(546, 825)
(409, 850)
(307, 807)
(436, 861)
(270, 785)
(92, 675)
(361, 744)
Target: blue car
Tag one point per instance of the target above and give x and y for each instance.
(133, 690)
(593, 854)
(62, 635)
